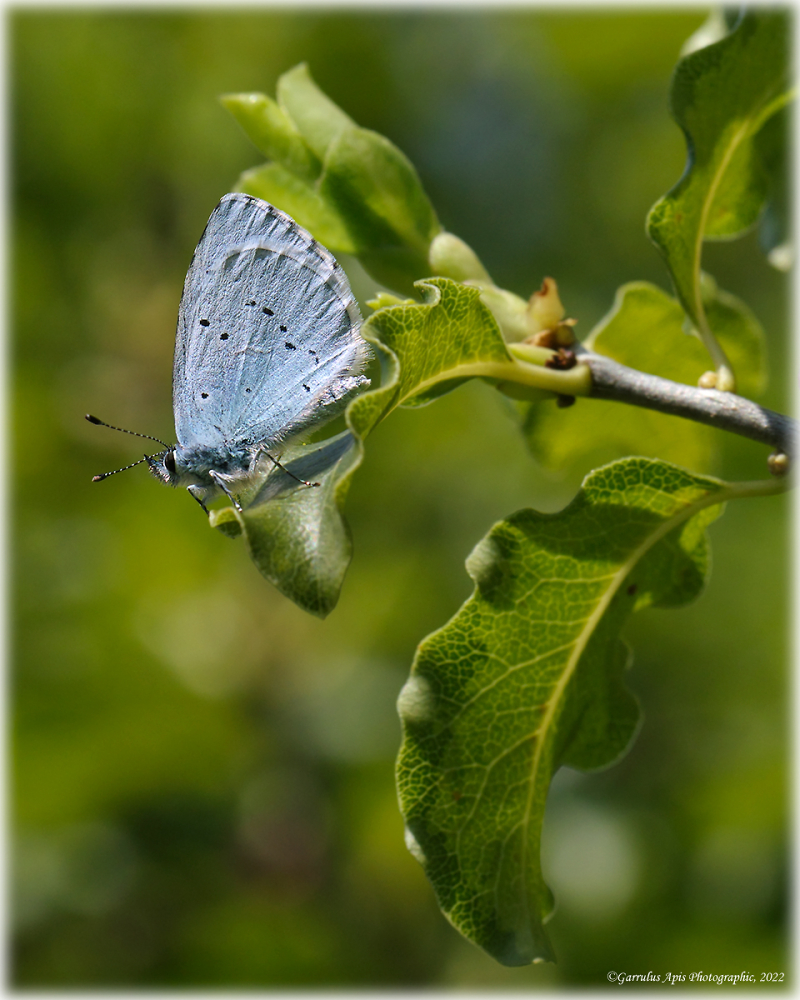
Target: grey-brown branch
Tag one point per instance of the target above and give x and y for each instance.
(611, 380)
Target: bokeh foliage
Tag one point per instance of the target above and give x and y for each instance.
(202, 785)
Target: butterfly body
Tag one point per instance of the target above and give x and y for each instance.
(267, 348)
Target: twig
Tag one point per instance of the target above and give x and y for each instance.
(611, 380)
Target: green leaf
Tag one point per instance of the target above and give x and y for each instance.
(351, 188)
(529, 676)
(382, 299)
(451, 257)
(295, 534)
(646, 330)
(428, 348)
(773, 142)
(376, 191)
(273, 132)
(302, 201)
(741, 335)
(314, 114)
(721, 96)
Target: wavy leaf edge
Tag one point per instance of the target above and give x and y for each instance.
(433, 786)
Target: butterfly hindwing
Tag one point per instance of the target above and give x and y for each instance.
(267, 344)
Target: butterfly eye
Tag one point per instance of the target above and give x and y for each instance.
(169, 461)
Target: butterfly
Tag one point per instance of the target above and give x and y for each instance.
(267, 350)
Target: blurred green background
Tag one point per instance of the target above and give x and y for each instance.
(202, 775)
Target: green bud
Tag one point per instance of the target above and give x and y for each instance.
(451, 257)
(544, 308)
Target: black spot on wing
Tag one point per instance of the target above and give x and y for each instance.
(224, 336)
(204, 322)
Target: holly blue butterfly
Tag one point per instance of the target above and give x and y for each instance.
(267, 350)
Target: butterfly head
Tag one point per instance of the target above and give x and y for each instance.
(164, 468)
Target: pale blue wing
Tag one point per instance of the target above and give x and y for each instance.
(267, 344)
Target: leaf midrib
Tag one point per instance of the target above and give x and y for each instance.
(749, 127)
(713, 187)
(548, 717)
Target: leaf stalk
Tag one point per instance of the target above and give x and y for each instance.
(575, 381)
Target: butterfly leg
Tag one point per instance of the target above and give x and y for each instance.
(195, 492)
(220, 482)
(278, 465)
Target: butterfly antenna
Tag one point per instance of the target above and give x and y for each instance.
(105, 475)
(102, 423)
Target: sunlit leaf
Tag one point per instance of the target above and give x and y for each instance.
(350, 187)
(273, 132)
(376, 191)
(721, 96)
(529, 676)
(429, 347)
(314, 114)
